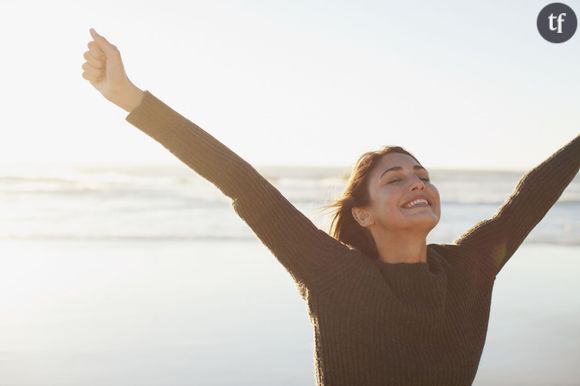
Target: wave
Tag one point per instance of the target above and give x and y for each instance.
(537, 240)
(305, 195)
(40, 237)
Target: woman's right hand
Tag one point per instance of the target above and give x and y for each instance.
(104, 70)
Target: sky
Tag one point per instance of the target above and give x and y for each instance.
(459, 84)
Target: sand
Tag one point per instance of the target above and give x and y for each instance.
(179, 313)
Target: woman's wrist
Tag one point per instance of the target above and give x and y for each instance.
(131, 98)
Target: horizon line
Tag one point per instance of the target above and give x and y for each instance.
(257, 166)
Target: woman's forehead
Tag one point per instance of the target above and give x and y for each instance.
(397, 159)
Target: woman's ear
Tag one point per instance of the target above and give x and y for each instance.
(361, 216)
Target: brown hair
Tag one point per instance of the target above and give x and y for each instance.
(356, 194)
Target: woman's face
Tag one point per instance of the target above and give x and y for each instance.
(396, 180)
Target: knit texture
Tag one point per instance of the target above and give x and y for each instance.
(375, 323)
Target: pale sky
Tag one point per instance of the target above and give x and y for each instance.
(460, 84)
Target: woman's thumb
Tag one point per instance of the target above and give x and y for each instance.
(108, 48)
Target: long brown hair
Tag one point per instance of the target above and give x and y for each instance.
(356, 194)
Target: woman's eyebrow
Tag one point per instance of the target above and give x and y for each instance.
(416, 167)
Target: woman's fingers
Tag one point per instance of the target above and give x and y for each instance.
(91, 72)
(95, 62)
(89, 69)
(96, 51)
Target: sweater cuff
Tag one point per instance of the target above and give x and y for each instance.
(154, 117)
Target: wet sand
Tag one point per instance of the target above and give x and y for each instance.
(179, 313)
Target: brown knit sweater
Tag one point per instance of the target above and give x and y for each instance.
(375, 323)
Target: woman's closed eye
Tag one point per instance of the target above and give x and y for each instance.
(398, 179)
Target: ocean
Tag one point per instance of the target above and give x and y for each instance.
(124, 274)
(175, 203)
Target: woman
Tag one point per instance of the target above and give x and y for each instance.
(386, 308)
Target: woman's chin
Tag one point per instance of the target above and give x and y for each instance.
(422, 213)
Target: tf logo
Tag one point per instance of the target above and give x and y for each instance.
(557, 22)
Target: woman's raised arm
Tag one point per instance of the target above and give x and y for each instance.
(313, 258)
(536, 192)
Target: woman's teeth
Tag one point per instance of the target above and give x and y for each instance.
(416, 203)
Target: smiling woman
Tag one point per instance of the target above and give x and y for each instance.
(367, 216)
(386, 309)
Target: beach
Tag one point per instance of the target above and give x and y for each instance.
(117, 275)
(214, 313)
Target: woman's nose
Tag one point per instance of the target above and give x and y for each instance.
(418, 183)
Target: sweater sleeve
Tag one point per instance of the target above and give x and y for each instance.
(310, 255)
(498, 237)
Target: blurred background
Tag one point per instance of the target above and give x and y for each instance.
(120, 265)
